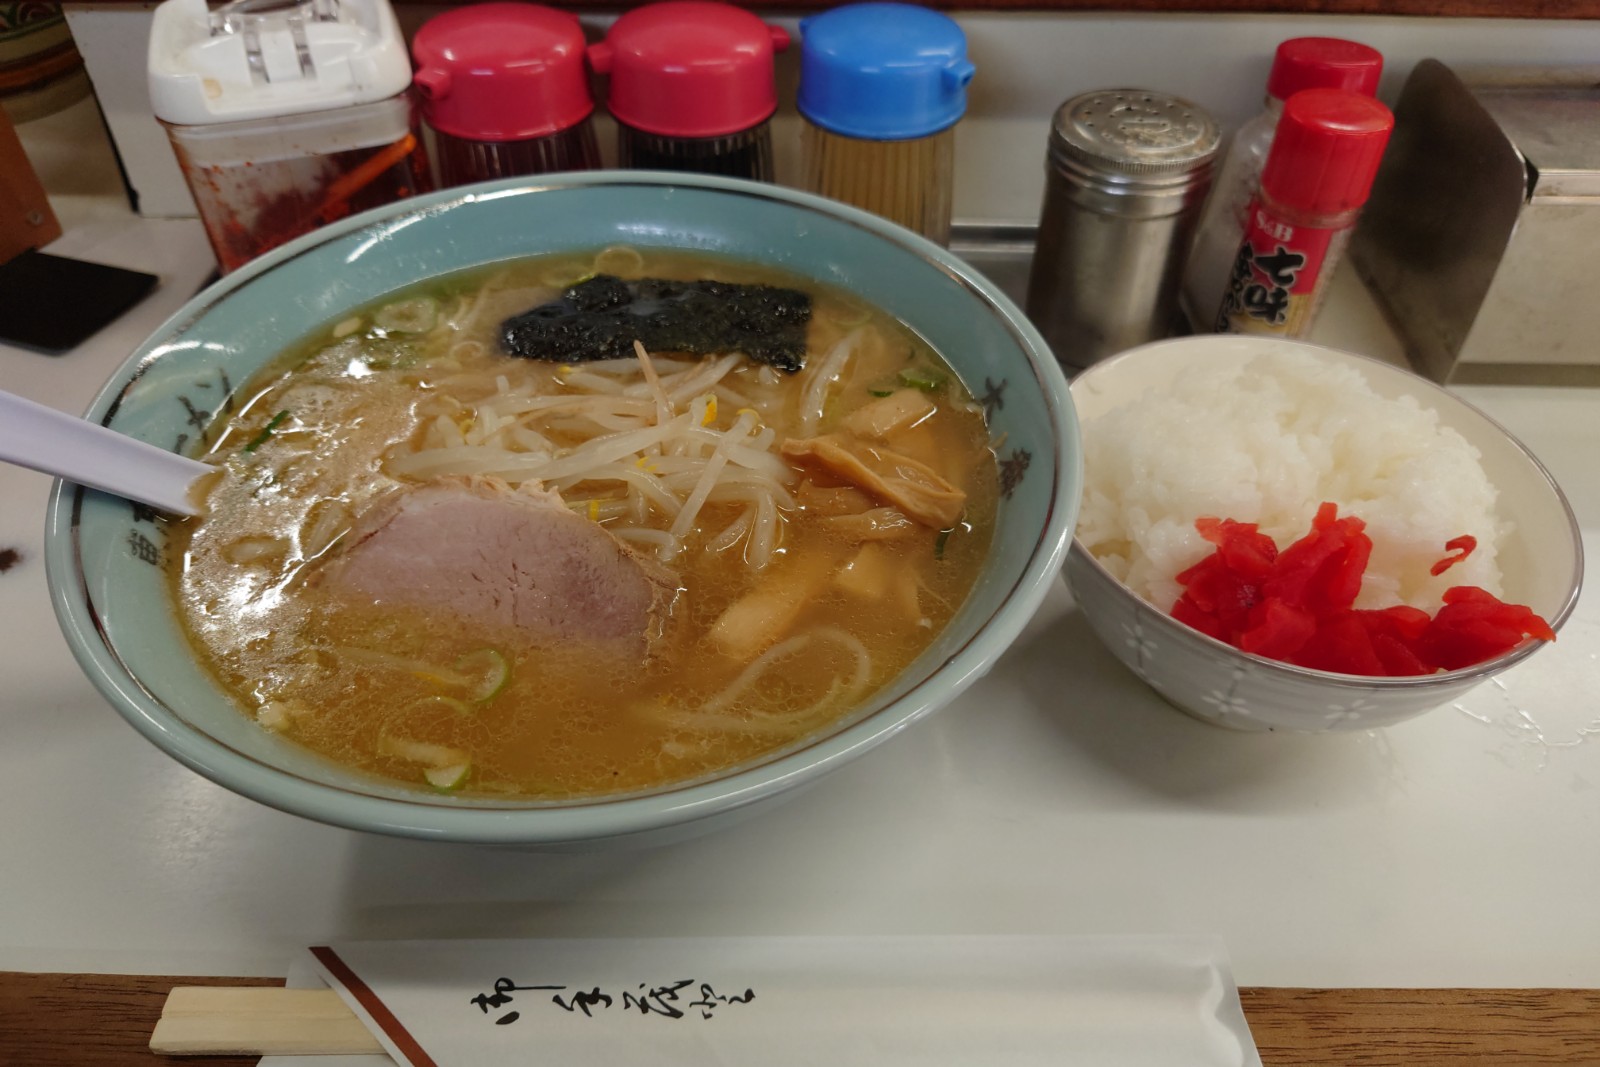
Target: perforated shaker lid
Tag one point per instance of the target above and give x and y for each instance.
(504, 71)
(1133, 133)
(256, 59)
(883, 71)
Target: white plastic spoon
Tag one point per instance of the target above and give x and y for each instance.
(47, 440)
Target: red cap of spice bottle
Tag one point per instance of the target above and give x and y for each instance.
(1326, 151)
(502, 72)
(1324, 63)
(690, 68)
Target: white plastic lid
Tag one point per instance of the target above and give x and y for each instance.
(254, 59)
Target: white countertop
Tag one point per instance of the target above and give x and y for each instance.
(1058, 795)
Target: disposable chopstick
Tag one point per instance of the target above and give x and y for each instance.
(258, 1021)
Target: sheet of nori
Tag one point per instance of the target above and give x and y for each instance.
(601, 317)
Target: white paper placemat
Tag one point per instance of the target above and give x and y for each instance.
(777, 1002)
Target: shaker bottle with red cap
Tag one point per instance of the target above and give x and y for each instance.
(691, 87)
(1300, 63)
(505, 90)
(1317, 177)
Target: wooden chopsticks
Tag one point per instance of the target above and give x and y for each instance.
(258, 1021)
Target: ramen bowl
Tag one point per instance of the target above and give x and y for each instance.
(1541, 559)
(106, 557)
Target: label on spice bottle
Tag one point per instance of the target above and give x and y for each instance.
(1273, 283)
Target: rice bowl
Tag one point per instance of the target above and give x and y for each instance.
(1540, 554)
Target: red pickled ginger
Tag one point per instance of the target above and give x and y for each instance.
(1298, 605)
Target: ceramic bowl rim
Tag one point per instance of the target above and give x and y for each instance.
(1477, 672)
(600, 818)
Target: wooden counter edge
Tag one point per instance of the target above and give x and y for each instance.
(100, 1020)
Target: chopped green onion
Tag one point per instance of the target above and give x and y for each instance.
(489, 671)
(448, 779)
(939, 542)
(925, 378)
(261, 438)
(881, 390)
(620, 260)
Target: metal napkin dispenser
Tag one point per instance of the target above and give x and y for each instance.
(1482, 235)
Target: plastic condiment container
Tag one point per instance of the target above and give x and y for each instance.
(1127, 172)
(882, 86)
(1299, 63)
(692, 88)
(504, 88)
(1316, 179)
(284, 116)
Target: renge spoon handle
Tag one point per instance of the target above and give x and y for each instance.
(50, 441)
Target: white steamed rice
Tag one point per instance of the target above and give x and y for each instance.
(1266, 443)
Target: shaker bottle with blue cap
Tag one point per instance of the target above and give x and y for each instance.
(882, 86)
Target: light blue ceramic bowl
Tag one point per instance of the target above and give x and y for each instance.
(103, 554)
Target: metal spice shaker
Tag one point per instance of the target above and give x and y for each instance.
(1126, 175)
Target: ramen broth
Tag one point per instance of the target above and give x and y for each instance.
(417, 389)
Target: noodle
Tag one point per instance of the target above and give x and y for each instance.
(813, 402)
(676, 458)
(663, 405)
(702, 489)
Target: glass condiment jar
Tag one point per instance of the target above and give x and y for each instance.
(504, 89)
(692, 88)
(1316, 179)
(1299, 63)
(284, 114)
(882, 86)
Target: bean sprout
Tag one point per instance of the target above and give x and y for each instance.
(658, 439)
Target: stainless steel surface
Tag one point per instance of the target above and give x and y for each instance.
(1557, 130)
(1002, 254)
(1482, 236)
(1128, 171)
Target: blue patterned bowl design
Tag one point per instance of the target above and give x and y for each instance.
(103, 555)
(1542, 564)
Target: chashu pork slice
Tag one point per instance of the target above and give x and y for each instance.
(485, 552)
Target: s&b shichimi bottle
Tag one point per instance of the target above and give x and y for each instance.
(1323, 160)
(1299, 63)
